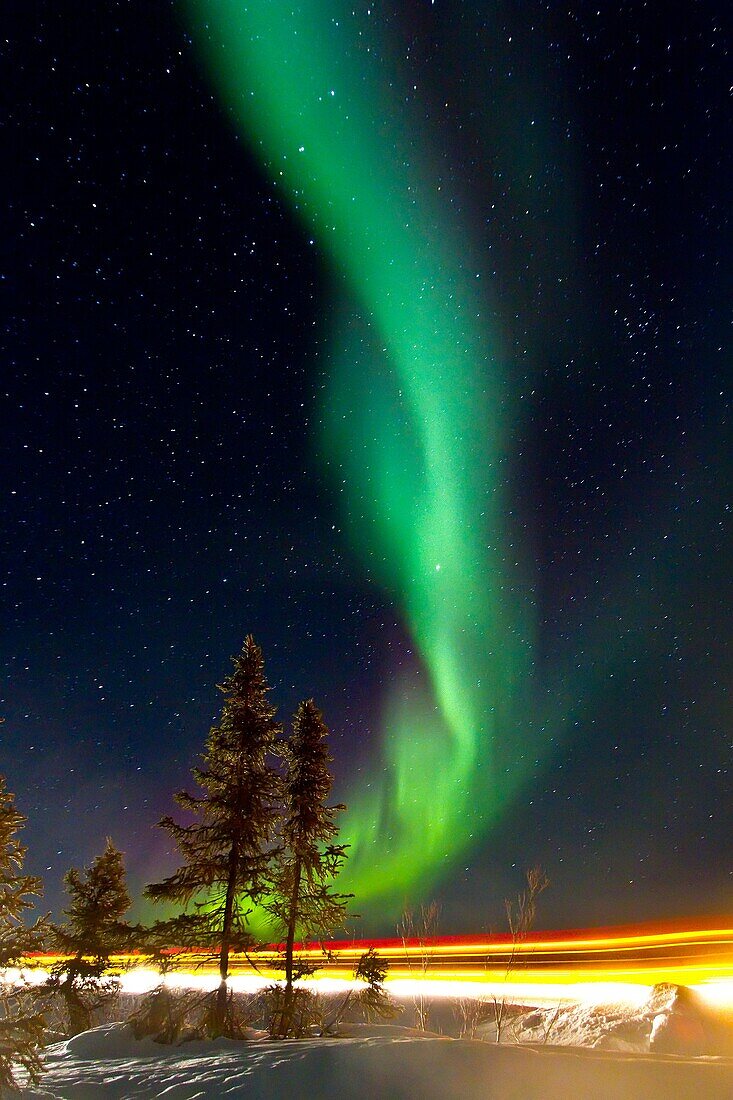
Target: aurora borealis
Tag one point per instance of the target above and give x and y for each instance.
(413, 419)
(395, 334)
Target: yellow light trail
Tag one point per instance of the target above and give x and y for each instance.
(616, 964)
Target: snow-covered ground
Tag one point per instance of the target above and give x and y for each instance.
(604, 1043)
(374, 1063)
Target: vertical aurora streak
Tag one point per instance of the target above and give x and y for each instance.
(413, 425)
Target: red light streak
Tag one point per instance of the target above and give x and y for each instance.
(641, 954)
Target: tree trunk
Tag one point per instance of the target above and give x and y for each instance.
(286, 1022)
(226, 938)
(80, 1018)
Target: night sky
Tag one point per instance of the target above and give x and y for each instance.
(478, 338)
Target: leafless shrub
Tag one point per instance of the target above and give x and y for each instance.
(165, 1015)
(220, 1014)
(551, 1021)
(417, 929)
(470, 1012)
(520, 917)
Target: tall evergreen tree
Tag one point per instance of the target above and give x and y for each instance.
(21, 1028)
(302, 895)
(93, 932)
(226, 852)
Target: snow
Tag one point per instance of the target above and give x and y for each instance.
(660, 1043)
(373, 1063)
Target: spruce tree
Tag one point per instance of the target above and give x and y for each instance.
(226, 852)
(21, 1028)
(367, 994)
(93, 932)
(302, 895)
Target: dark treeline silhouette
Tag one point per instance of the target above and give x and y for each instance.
(259, 836)
(263, 836)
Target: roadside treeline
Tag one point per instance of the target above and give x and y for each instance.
(259, 833)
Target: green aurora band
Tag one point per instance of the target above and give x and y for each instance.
(412, 429)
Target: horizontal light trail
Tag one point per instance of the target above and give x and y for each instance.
(637, 956)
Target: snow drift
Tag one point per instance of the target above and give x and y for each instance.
(386, 1063)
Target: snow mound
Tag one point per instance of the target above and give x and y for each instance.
(109, 1064)
(672, 1021)
(116, 1040)
(384, 1031)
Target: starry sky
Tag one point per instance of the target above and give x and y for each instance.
(431, 393)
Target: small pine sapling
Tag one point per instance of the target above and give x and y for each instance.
(368, 994)
(93, 931)
(292, 1013)
(21, 1027)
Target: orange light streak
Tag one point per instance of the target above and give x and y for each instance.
(636, 956)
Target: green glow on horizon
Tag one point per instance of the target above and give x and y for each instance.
(413, 424)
